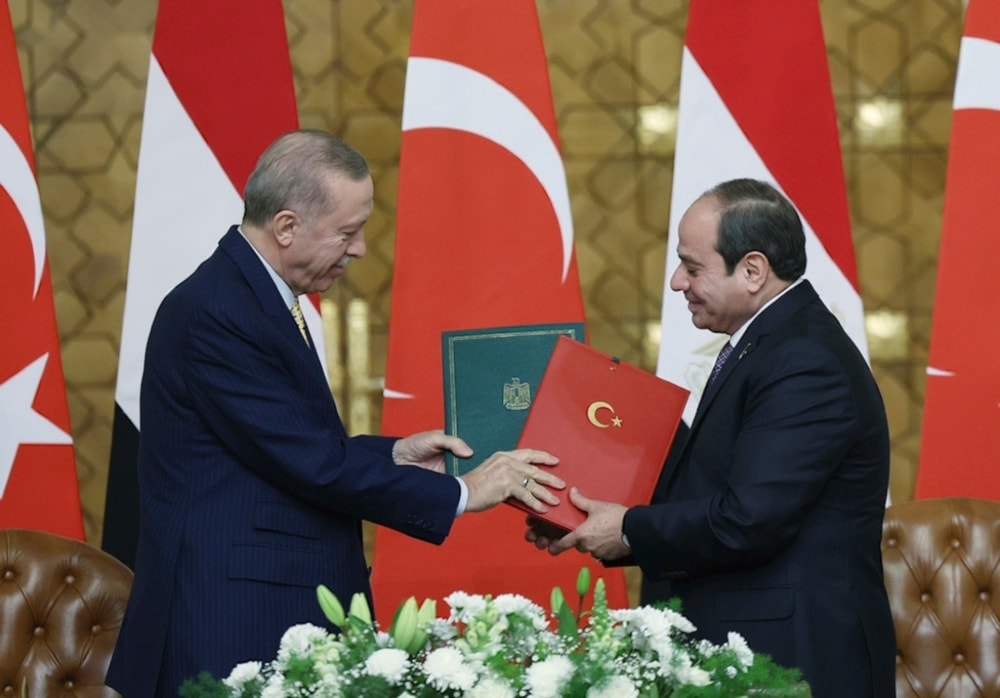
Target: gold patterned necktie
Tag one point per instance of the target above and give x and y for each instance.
(299, 320)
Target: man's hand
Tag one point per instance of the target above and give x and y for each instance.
(426, 449)
(600, 535)
(514, 474)
(542, 533)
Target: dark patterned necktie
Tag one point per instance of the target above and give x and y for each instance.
(727, 349)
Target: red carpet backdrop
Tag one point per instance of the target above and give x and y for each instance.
(484, 238)
(756, 101)
(38, 485)
(219, 91)
(960, 435)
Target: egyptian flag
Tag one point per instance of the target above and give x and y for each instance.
(756, 101)
(38, 485)
(484, 238)
(962, 404)
(219, 91)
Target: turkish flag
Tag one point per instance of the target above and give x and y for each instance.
(484, 238)
(962, 404)
(38, 484)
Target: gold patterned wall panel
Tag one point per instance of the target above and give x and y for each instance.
(614, 66)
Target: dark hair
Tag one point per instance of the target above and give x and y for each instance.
(756, 217)
(290, 175)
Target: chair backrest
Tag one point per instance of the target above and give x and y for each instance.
(61, 605)
(942, 573)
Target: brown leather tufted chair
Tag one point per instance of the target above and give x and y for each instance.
(61, 605)
(942, 574)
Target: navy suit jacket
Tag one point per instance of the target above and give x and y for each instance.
(770, 522)
(251, 492)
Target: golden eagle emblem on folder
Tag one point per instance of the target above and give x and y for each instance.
(516, 395)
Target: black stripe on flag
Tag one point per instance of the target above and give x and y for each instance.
(121, 508)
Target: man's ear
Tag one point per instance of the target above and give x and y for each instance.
(756, 270)
(284, 226)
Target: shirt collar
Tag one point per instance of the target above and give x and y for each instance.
(734, 339)
(283, 288)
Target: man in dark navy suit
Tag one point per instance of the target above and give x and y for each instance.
(251, 491)
(767, 520)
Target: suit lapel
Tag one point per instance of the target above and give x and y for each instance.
(767, 322)
(271, 302)
(747, 343)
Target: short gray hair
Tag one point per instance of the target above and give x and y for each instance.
(290, 175)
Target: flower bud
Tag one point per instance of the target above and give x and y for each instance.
(556, 600)
(359, 608)
(330, 606)
(583, 581)
(405, 625)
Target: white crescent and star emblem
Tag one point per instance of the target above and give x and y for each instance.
(22, 423)
(593, 409)
(17, 177)
(496, 114)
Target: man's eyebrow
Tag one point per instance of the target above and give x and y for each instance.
(688, 260)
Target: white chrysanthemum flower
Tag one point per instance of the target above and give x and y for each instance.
(706, 648)
(515, 603)
(389, 663)
(692, 676)
(616, 686)
(446, 670)
(731, 672)
(273, 689)
(242, 674)
(739, 645)
(491, 687)
(299, 639)
(465, 606)
(545, 679)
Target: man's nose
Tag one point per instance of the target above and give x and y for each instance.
(678, 280)
(357, 248)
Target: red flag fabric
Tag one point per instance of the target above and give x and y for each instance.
(38, 483)
(219, 91)
(960, 435)
(484, 238)
(756, 101)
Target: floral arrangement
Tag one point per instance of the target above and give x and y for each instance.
(504, 647)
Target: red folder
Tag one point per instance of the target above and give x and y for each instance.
(609, 422)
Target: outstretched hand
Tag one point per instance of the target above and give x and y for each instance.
(427, 448)
(515, 474)
(600, 535)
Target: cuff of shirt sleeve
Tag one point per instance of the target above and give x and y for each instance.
(463, 498)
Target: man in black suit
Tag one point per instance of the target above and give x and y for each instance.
(770, 522)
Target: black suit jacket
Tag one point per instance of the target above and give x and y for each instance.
(769, 523)
(251, 492)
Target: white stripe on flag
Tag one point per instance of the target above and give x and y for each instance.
(178, 176)
(711, 148)
(976, 85)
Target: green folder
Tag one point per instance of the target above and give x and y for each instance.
(490, 378)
